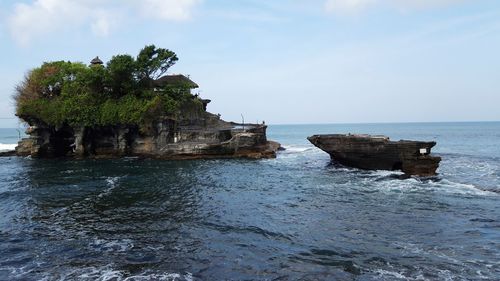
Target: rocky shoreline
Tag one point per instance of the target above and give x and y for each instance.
(200, 138)
(9, 153)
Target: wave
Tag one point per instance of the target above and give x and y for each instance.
(463, 188)
(395, 181)
(112, 183)
(296, 149)
(94, 273)
(110, 273)
(7, 147)
(103, 245)
(390, 274)
(436, 184)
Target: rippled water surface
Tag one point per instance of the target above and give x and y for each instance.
(296, 217)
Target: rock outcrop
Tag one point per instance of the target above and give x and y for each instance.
(379, 153)
(206, 136)
(8, 153)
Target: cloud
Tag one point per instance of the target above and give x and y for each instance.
(347, 6)
(42, 17)
(357, 6)
(177, 10)
(102, 25)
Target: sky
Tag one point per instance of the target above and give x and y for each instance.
(282, 61)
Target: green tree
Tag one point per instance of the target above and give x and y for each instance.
(153, 62)
(54, 76)
(95, 79)
(59, 93)
(121, 75)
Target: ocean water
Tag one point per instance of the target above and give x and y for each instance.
(9, 138)
(296, 217)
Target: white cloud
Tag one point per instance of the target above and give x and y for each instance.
(356, 6)
(101, 26)
(168, 9)
(347, 6)
(41, 17)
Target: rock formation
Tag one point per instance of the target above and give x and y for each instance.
(379, 153)
(206, 136)
(126, 107)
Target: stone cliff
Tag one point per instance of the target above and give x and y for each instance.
(205, 136)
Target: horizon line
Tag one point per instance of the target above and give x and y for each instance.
(386, 122)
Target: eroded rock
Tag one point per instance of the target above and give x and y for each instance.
(209, 137)
(379, 153)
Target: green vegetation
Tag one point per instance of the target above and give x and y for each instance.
(121, 92)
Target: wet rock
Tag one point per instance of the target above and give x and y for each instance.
(379, 153)
(24, 147)
(207, 137)
(8, 153)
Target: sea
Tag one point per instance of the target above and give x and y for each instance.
(296, 217)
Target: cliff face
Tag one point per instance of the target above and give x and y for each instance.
(207, 137)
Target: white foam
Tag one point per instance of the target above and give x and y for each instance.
(446, 275)
(296, 149)
(386, 273)
(461, 188)
(112, 181)
(113, 245)
(108, 273)
(410, 248)
(383, 173)
(61, 210)
(16, 272)
(413, 249)
(7, 147)
(415, 184)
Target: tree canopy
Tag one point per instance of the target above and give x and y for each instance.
(153, 62)
(121, 92)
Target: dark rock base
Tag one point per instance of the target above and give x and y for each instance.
(8, 153)
(207, 137)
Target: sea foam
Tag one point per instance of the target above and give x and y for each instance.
(7, 147)
(109, 273)
(296, 149)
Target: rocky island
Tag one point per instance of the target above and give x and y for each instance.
(128, 107)
(379, 153)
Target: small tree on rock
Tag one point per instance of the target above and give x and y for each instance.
(121, 72)
(153, 62)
